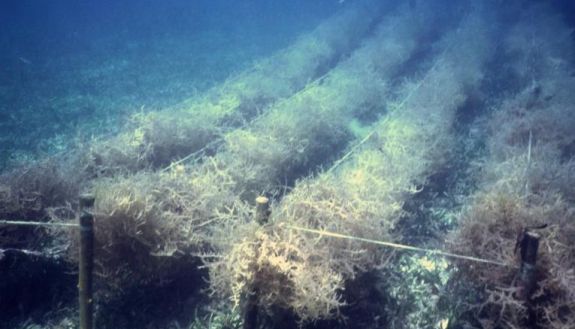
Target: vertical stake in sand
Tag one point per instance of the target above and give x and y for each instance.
(251, 306)
(529, 244)
(262, 210)
(86, 262)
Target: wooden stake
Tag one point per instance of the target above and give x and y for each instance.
(529, 246)
(251, 309)
(86, 262)
(262, 210)
(252, 300)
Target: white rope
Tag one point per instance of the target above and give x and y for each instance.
(26, 223)
(396, 245)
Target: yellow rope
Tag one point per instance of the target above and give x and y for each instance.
(220, 139)
(396, 245)
(398, 107)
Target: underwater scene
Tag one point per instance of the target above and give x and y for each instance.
(267, 164)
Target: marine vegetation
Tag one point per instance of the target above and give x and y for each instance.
(384, 170)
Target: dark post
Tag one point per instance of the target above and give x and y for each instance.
(529, 246)
(251, 309)
(262, 210)
(251, 306)
(86, 262)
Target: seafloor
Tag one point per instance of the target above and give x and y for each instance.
(417, 158)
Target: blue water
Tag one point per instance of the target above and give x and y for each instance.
(87, 65)
(63, 63)
(76, 71)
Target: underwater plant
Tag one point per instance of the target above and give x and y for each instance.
(525, 185)
(362, 197)
(153, 140)
(156, 139)
(417, 126)
(171, 213)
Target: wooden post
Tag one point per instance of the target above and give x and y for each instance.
(262, 210)
(529, 246)
(251, 304)
(86, 262)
